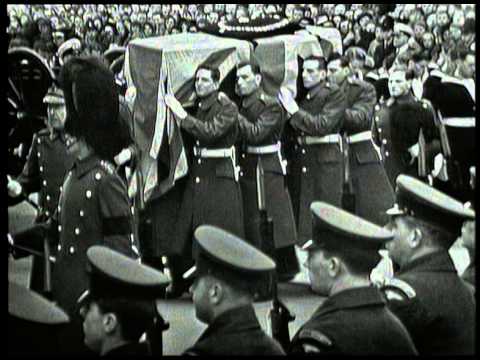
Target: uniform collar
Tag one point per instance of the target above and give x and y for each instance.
(250, 99)
(351, 298)
(206, 103)
(438, 261)
(408, 97)
(83, 166)
(316, 90)
(233, 321)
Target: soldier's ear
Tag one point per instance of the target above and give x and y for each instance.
(334, 265)
(110, 322)
(415, 238)
(216, 293)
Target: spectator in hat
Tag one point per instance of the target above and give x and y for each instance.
(227, 272)
(69, 49)
(119, 305)
(401, 35)
(35, 324)
(354, 319)
(425, 223)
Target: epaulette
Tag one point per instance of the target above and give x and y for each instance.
(43, 132)
(107, 166)
(396, 289)
(223, 98)
(316, 336)
(390, 102)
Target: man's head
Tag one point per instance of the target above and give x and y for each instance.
(119, 305)
(344, 248)
(207, 80)
(466, 63)
(423, 220)
(356, 58)
(228, 272)
(249, 78)
(337, 70)
(399, 82)
(56, 111)
(314, 72)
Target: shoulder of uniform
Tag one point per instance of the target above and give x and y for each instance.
(267, 99)
(43, 132)
(223, 98)
(103, 169)
(316, 337)
(397, 289)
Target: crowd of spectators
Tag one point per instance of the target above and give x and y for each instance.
(432, 33)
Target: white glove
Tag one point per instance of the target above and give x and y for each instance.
(175, 106)
(14, 187)
(383, 271)
(124, 156)
(286, 99)
(414, 151)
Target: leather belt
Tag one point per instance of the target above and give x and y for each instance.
(314, 140)
(363, 136)
(267, 149)
(214, 153)
(459, 121)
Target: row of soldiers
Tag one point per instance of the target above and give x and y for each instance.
(96, 205)
(426, 309)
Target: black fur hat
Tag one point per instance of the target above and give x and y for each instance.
(91, 99)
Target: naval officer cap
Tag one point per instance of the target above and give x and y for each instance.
(229, 258)
(416, 199)
(113, 275)
(54, 96)
(340, 232)
(34, 323)
(29, 306)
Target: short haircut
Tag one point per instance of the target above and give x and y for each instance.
(358, 262)
(355, 53)
(134, 316)
(409, 75)
(434, 235)
(337, 56)
(322, 63)
(213, 71)
(253, 65)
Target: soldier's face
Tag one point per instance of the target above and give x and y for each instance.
(201, 290)
(56, 116)
(467, 67)
(317, 265)
(312, 75)
(335, 72)
(93, 326)
(204, 84)
(398, 84)
(247, 81)
(399, 248)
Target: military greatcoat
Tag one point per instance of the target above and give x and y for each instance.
(261, 123)
(212, 191)
(354, 322)
(235, 332)
(441, 320)
(44, 172)
(373, 191)
(395, 129)
(316, 171)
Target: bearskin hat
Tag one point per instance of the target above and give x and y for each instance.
(91, 99)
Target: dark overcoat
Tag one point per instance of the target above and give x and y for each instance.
(441, 319)
(354, 322)
(212, 191)
(44, 172)
(373, 192)
(261, 123)
(235, 332)
(316, 171)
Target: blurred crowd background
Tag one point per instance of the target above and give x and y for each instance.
(440, 33)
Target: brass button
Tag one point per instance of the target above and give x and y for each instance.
(303, 151)
(71, 249)
(41, 168)
(197, 180)
(38, 154)
(199, 161)
(98, 176)
(82, 213)
(377, 118)
(88, 194)
(132, 209)
(304, 169)
(39, 141)
(377, 107)
(47, 213)
(384, 141)
(59, 247)
(44, 182)
(77, 231)
(379, 130)
(48, 197)
(387, 153)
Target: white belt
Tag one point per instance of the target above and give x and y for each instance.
(267, 149)
(214, 153)
(313, 140)
(363, 136)
(459, 121)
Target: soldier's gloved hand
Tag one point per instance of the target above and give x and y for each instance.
(14, 187)
(124, 156)
(414, 151)
(175, 106)
(288, 102)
